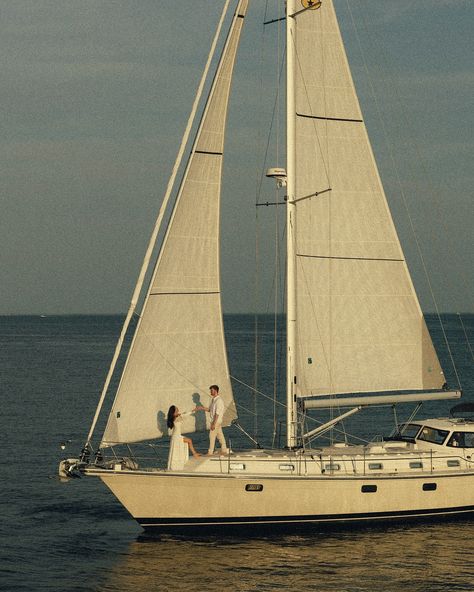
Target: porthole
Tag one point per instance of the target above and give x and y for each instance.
(368, 488)
(429, 486)
(453, 463)
(254, 487)
(375, 466)
(332, 467)
(416, 465)
(237, 466)
(286, 467)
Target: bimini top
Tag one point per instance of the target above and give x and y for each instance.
(463, 409)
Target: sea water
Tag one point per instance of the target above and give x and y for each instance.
(76, 536)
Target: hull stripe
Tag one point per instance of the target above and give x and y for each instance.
(213, 521)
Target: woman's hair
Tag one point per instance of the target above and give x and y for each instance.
(170, 418)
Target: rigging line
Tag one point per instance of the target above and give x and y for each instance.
(283, 18)
(272, 120)
(315, 194)
(300, 414)
(397, 174)
(275, 317)
(270, 203)
(276, 245)
(258, 184)
(315, 127)
(281, 349)
(243, 408)
(334, 429)
(465, 335)
(271, 398)
(274, 20)
(154, 235)
(275, 279)
(244, 431)
(256, 391)
(256, 324)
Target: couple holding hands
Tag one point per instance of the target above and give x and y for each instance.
(180, 445)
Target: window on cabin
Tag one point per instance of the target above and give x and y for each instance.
(408, 430)
(375, 466)
(454, 463)
(237, 466)
(462, 440)
(428, 434)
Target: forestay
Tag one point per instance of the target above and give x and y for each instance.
(178, 349)
(359, 325)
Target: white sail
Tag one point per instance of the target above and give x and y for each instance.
(359, 326)
(178, 349)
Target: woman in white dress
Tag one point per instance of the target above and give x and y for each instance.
(179, 444)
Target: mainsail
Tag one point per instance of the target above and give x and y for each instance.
(178, 349)
(359, 326)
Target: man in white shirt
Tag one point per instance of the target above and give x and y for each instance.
(216, 412)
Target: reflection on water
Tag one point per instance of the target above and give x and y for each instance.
(420, 558)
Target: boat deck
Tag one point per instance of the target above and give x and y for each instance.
(379, 459)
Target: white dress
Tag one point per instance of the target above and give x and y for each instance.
(179, 450)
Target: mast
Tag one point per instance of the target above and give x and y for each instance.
(291, 411)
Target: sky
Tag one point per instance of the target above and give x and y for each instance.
(95, 96)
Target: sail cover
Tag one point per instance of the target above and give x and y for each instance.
(359, 325)
(178, 349)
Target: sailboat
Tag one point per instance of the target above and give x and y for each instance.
(356, 335)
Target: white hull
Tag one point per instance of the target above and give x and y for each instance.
(170, 501)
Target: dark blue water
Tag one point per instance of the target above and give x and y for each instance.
(75, 536)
